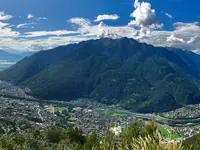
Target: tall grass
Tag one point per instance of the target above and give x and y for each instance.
(134, 138)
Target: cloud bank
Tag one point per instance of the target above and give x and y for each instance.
(145, 27)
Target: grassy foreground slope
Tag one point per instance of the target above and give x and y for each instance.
(135, 137)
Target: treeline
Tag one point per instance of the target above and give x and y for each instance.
(136, 137)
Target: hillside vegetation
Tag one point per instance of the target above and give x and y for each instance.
(135, 137)
(137, 76)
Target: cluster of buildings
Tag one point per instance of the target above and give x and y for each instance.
(189, 111)
(7, 89)
(20, 112)
(24, 114)
(91, 121)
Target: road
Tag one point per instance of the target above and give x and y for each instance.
(39, 114)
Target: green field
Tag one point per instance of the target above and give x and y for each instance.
(56, 109)
(165, 133)
(72, 119)
(116, 113)
(175, 136)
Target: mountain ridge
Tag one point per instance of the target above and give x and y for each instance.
(6, 56)
(137, 76)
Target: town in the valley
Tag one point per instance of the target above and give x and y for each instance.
(20, 112)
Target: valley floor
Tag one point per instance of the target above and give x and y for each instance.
(19, 115)
(20, 112)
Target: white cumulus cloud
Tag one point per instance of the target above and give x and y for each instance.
(144, 16)
(194, 39)
(172, 38)
(106, 17)
(8, 32)
(24, 25)
(2, 24)
(169, 16)
(49, 33)
(30, 16)
(4, 16)
(80, 21)
(42, 18)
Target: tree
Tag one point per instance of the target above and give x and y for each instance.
(55, 135)
(92, 142)
(76, 135)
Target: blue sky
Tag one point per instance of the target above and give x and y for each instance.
(43, 24)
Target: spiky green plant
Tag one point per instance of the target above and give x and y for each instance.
(133, 138)
(155, 142)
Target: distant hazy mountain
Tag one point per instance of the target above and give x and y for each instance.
(135, 75)
(26, 54)
(5, 56)
(8, 59)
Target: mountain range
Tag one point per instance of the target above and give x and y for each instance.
(136, 76)
(9, 57)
